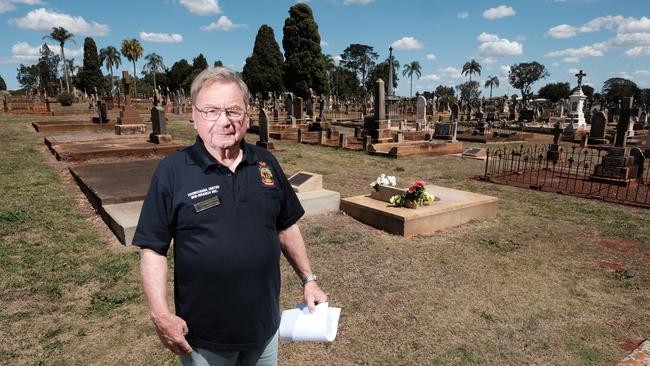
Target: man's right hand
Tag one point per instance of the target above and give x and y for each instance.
(171, 330)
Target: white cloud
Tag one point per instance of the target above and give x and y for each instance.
(430, 57)
(572, 71)
(358, 2)
(637, 51)
(493, 46)
(487, 37)
(407, 43)
(630, 40)
(562, 31)
(642, 72)
(28, 2)
(608, 22)
(161, 37)
(324, 43)
(504, 69)
(202, 7)
(595, 50)
(45, 19)
(223, 24)
(556, 64)
(500, 11)
(631, 25)
(337, 58)
(462, 15)
(23, 52)
(489, 60)
(570, 59)
(6, 6)
(432, 77)
(451, 72)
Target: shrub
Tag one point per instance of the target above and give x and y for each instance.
(65, 99)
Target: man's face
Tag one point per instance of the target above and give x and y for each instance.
(222, 133)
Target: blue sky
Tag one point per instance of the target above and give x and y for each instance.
(605, 38)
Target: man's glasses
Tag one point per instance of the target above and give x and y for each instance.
(213, 114)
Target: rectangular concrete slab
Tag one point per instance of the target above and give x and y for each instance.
(64, 126)
(453, 208)
(87, 137)
(110, 183)
(320, 201)
(86, 150)
(122, 219)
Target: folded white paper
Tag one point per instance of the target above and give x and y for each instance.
(301, 325)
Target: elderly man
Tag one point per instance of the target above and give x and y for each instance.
(230, 210)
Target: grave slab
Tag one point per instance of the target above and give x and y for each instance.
(313, 198)
(454, 208)
(320, 201)
(639, 357)
(122, 219)
(67, 126)
(111, 183)
(87, 150)
(85, 137)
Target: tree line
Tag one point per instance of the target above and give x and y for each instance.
(303, 69)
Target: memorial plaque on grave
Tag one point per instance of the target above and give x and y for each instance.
(445, 131)
(474, 152)
(306, 182)
(299, 178)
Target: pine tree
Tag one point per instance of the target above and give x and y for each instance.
(199, 63)
(3, 85)
(90, 76)
(304, 65)
(47, 66)
(263, 70)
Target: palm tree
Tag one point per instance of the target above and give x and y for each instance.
(61, 35)
(132, 50)
(154, 64)
(492, 82)
(410, 69)
(111, 57)
(471, 67)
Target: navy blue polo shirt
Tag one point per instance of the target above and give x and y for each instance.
(226, 248)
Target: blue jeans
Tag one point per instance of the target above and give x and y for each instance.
(266, 355)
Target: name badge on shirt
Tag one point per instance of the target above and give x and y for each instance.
(209, 203)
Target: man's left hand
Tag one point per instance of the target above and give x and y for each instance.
(313, 295)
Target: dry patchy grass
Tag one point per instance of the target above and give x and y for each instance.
(552, 280)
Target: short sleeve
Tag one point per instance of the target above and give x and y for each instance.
(291, 210)
(154, 231)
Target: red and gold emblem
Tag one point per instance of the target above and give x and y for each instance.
(266, 174)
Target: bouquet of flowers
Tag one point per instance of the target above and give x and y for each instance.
(415, 196)
(383, 180)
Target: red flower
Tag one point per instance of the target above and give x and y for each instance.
(411, 189)
(418, 183)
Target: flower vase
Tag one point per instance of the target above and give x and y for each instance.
(410, 204)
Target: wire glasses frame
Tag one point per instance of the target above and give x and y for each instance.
(213, 114)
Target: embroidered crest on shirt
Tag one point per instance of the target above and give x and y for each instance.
(266, 174)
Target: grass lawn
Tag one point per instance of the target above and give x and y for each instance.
(552, 280)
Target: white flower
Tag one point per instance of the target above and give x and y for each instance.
(392, 180)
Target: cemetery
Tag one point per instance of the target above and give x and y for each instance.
(450, 227)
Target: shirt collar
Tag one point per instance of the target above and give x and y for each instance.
(202, 157)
